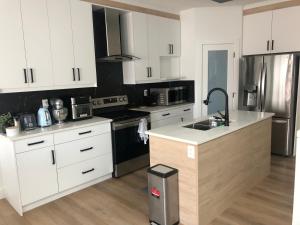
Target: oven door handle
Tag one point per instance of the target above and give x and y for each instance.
(123, 125)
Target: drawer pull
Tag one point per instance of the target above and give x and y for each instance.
(167, 114)
(88, 171)
(86, 149)
(36, 143)
(53, 157)
(87, 132)
(187, 110)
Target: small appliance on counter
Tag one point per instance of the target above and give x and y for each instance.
(59, 112)
(44, 117)
(170, 96)
(81, 108)
(28, 121)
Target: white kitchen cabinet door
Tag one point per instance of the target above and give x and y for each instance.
(285, 33)
(153, 43)
(61, 36)
(83, 39)
(37, 175)
(135, 40)
(257, 33)
(170, 37)
(12, 53)
(37, 43)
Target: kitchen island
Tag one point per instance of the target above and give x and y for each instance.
(215, 166)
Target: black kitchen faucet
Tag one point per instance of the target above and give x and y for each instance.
(206, 102)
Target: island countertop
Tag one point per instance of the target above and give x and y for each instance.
(239, 120)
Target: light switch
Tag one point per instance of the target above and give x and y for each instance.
(191, 152)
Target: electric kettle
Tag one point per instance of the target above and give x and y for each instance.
(44, 117)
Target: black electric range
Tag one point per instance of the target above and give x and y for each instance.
(130, 151)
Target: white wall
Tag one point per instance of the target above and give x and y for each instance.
(296, 214)
(1, 185)
(208, 25)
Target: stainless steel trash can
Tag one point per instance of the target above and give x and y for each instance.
(163, 195)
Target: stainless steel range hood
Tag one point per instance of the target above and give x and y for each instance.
(107, 35)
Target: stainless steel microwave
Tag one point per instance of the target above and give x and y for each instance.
(170, 96)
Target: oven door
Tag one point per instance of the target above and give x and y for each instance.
(129, 150)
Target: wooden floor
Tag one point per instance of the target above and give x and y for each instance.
(124, 202)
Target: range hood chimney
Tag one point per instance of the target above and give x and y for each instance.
(107, 36)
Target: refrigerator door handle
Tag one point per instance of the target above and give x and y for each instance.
(263, 87)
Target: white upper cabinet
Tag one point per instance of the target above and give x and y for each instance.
(47, 44)
(12, 74)
(170, 37)
(257, 33)
(83, 39)
(272, 32)
(60, 24)
(72, 37)
(37, 43)
(151, 39)
(285, 30)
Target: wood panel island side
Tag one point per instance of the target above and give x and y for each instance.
(215, 166)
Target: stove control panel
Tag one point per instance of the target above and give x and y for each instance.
(109, 101)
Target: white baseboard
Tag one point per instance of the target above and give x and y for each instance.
(1, 193)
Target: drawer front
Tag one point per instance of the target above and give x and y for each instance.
(72, 135)
(72, 176)
(34, 143)
(83, 149)
(164, 114)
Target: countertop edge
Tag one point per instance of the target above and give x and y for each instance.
(210, 139)
(44, 131)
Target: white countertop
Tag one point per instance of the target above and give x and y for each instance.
(58, 128)
(154, 109)
(239, 120)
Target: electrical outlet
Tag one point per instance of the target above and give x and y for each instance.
(191, 152)
(145, 92)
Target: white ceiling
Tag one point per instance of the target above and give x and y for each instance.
(178, 5)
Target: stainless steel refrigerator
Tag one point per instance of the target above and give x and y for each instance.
(268, 83)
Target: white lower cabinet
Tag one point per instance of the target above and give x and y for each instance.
(172, 116)
(85, 171)
(37, 174)
(40, 169)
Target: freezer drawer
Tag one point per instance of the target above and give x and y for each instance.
(281, 137)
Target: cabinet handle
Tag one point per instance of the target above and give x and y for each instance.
(79, 77)
(88, 171)
(31, 74)
(268, 45)
(36, 143)
(53, 157)
(170, 49)
(167, 114)
(74, 77)
(272, 47)
(87, 132)
(25, 76)
(150, 71)
(187, 110)
(87, 149)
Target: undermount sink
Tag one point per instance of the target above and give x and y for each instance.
(203, 125)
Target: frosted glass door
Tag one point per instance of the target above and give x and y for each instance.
(217, 73)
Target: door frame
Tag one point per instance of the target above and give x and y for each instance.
(199, 93)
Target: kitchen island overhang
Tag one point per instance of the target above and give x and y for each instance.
(215, 166)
